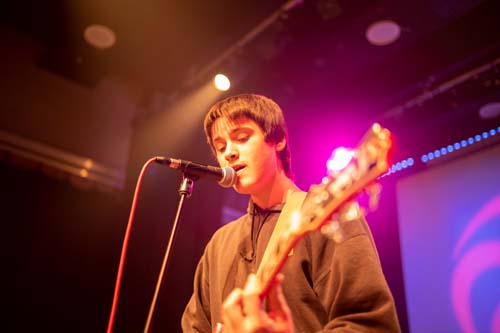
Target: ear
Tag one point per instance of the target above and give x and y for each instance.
(280, 145)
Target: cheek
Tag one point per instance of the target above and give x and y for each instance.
(221, 160)
(266, 157)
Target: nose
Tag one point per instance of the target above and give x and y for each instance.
(231, 153)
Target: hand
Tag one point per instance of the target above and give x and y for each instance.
(243, 312)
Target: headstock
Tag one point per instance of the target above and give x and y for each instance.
(333, 196)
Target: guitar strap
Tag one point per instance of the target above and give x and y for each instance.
(293, 202)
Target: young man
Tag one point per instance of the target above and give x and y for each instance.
(326, 286)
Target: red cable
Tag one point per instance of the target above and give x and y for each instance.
(125, 245)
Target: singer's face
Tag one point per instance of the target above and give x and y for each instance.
(241, 145)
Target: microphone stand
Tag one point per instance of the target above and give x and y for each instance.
(185, 191)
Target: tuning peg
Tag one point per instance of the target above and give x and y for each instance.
(373, 192)
(332, 229)
(350, 211)
(325, 180)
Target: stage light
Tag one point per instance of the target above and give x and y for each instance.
(222, 82)
(339, 159)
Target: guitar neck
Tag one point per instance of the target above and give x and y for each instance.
(268, 270)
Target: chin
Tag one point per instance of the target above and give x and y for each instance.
(243, 188)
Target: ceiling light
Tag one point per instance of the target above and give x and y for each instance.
(383, 32)
(490, 111)
(99, 36)
(221, 82)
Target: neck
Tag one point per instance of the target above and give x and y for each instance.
(276, 193)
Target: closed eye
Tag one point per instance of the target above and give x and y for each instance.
(242, 138)
(220, 149)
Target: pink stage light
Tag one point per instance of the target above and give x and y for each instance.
(339, 159)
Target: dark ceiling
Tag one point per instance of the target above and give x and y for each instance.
(315, 50)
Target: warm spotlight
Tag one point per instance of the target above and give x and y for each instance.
(221, 82)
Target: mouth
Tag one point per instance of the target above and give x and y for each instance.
(238, 168)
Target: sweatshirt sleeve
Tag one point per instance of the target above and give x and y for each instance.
(196, 316)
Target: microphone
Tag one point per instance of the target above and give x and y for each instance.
(225, 176)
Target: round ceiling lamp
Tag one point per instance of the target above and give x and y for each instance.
(490, 110)
(99, 36)
(383, 32)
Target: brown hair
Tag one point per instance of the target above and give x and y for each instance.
(264, 111)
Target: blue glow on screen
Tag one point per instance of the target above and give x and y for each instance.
(449, 222)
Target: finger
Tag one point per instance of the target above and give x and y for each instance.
(279, 313)
(232, 312)
(256, 318)
(251, 298)
(276, 300)
(273, 300)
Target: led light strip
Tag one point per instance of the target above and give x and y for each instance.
(458, 145)
(438, 153)
(398, 166)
